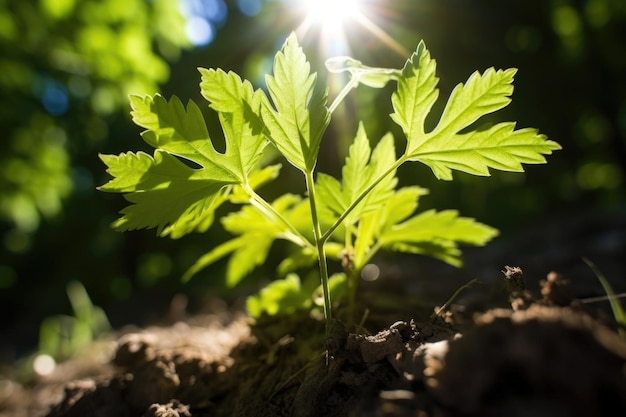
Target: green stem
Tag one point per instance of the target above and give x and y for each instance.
(370, 253)
(361, 196)
(353, 83)
(264, 207)
(321, 252)
(353, 275)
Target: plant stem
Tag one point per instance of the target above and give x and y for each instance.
(353, 275)
(354, 81)
(321, 252)
(361, 196)
(264, 207)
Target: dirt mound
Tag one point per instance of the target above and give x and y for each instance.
(545, 356)
(542, 361)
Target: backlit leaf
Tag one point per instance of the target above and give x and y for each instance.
(175, 190)
(298, 117)
(363, 166)
(284, 296)
(446, 148)
(255, 235)
(436, 234)
(166, 194)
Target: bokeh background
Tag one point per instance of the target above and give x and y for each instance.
(68, 66)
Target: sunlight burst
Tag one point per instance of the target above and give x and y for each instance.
(330, 12)
(333, 18)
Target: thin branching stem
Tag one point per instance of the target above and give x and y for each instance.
(264, 207)
(352, 277)
(353, 83)
(321, 251)
(445, 306)
(361, 196)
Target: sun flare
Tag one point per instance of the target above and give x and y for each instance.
(331, 11)
(334, 19)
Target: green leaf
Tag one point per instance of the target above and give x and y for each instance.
(443, 250)
(402, 205)
(370, 76)
(256, 234)
(396, 209)
(298, 117)
(239, 109)
(361, 169)
(256, 179)
(252, 253)
(175, 197)
(499, 147)
(213, 256)
(416, 93)
(165, 193)
(302, 258)
(359, 173)
(178, 130)
(445, 224)
(432, 230)
(282, 296)
(290, 294)
(445, 148)
(480, 95)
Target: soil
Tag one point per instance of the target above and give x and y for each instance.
(542, 352)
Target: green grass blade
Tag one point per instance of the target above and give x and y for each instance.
(616, 307)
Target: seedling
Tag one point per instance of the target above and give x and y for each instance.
(619, 313)
(347, 220)
(63, 336)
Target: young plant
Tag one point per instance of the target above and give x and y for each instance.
(348, 219)
(64, 336)
(619, 313)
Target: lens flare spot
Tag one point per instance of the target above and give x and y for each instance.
(250, 8)
(199, 31)
(44, 364)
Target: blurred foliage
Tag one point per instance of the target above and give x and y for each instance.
(66, 67)
(290, 294)
(62, 336)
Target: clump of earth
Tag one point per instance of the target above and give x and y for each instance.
(543, 354)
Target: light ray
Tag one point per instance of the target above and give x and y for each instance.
(333, 19)
(382, 35)
(330, 17)
(332, 11)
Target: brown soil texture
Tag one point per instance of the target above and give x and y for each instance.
(543, 356)
(528, 345)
